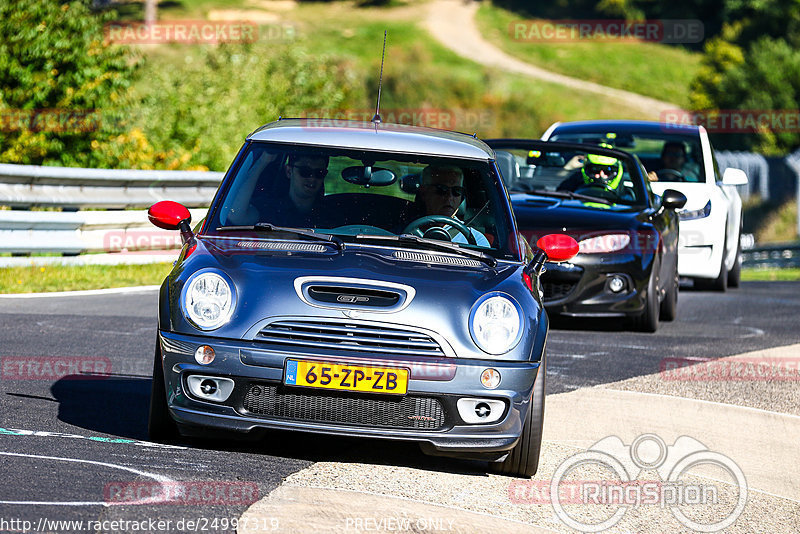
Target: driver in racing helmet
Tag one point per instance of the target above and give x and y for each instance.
(602, 171)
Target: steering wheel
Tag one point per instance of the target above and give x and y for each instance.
(415, 227)
(677, 175)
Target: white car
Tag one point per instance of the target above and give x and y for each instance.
(681, 158)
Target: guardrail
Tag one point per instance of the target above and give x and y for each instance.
(772, 257)
(25, 231)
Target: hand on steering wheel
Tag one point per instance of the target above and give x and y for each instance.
(415, 227)
(677, 175)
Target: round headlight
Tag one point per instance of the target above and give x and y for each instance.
(208, 300)
(496, 324)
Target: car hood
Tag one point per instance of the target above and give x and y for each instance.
(697, 193)
(565, 215)
(268, 284)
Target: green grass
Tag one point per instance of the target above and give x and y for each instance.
(182, 101)
(771, 275)
(651, 69)
(72, 278)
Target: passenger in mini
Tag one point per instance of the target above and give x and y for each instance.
(294, 201)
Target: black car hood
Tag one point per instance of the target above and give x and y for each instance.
(564, 215)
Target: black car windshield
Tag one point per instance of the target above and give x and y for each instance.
(674, 157)
(347, 193)
(572, 174)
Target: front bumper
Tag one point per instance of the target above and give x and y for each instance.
(700, 247)
(583, 288)
(433, 382)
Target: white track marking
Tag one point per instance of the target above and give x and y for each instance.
(161, 479)
(85, 292)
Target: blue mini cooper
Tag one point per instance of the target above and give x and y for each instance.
(360, 279)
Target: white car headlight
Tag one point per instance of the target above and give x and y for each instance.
(495, 323)
(603, 243)
(208, 300)
(703, 212)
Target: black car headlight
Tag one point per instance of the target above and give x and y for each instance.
(208, 300)
(703, 212)
(495, 323)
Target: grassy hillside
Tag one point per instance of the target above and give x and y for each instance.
(654, 70)
(206, 98)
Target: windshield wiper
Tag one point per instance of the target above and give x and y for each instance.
(267, 227)
(566, 194)
(432, 243)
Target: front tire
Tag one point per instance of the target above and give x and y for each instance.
(523, 459)
(648, 320)
(160, 425)
(669, 306)
(735, 274)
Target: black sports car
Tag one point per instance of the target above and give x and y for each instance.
(628, 236)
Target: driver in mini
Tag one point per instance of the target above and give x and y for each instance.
(441, 193)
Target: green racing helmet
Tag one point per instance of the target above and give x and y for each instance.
(603, 171)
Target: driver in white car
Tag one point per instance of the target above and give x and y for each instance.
(441, 193)
(673, 157)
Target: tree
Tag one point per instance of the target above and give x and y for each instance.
(58, 81)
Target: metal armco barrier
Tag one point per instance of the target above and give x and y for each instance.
(24, 186)
(23, 230)
(772, 257)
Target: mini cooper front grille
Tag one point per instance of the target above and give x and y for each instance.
(349, 337)
(556, 291)
(420, 413)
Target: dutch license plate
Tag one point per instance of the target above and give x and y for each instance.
(346, 377)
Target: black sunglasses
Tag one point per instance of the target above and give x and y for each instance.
(311, 172)
(442, 190)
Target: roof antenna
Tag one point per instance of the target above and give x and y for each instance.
(377, 118)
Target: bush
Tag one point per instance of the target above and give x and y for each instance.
(56, 70)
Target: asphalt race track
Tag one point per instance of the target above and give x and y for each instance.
(67, 444)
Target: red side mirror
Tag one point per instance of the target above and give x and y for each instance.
(558, 247)
(168, 214)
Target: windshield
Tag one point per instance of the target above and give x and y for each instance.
(571, 174)
(353, 193)
(672, 157)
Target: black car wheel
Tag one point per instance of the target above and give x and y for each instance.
(160, 426)
(523, 459)
(669, 306)
(648, 320)
(735, 274)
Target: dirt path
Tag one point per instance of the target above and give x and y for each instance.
(452, 23)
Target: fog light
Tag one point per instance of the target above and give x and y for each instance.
(208, 387)
(616, 284)
(480, 411)
(490, 378)
(204, 355)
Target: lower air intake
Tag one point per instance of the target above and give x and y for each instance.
(420, 413)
